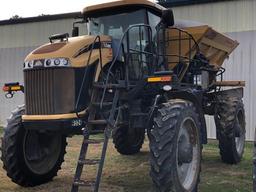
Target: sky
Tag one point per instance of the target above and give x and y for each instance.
(29, 8)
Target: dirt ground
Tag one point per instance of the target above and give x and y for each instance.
(130, 173)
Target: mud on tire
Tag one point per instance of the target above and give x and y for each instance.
(230, 125)
(172, 149)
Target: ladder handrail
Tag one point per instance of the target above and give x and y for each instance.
(86, 70)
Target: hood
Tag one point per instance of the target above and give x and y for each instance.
(76, 49)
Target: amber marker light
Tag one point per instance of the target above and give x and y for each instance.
(5, 88)
(16, 88)
(12, 88)
(159, 79)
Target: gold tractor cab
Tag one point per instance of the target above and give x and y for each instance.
(135, 71)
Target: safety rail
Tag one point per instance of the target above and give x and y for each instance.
(179, 46)
(97, 39)
(128, 49)
(151, 57)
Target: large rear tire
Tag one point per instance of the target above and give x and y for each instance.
(175, 148)
(230, 125)
(29, 157)
(128, 140)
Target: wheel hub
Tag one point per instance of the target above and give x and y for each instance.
(239, 132)
(41, 151)
(187, 154)
(185, 150)
(37, 149)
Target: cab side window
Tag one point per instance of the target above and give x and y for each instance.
(154, 20)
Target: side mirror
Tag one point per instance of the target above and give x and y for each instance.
(75, 32)
(167, 17)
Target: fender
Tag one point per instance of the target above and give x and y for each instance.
(195, 97)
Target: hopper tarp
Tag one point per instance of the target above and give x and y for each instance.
(215, 46)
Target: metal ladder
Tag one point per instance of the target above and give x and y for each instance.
(110, 123)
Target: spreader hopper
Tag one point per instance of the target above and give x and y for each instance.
(182, 45)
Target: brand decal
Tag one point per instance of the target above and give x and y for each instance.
(38, 63)
(76, 123)
(106, 44)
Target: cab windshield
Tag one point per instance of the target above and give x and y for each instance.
(115, 25)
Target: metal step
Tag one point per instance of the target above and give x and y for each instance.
(104, 105)
(107, 86)
(82, 162)
(97, 131)
(93, 141)
(139, 114)
(89, 162)
(82, 183)
(97, 122)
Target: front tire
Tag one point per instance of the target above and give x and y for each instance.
(175, 148)
(230, 125)
(30, 158)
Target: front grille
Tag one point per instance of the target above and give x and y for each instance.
(46, 91)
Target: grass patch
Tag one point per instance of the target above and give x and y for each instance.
(225, 178)
(130, 173)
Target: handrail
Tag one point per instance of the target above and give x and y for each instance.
(86, 70)
(181, 58)
(190, 35)
(117, 54)
(144, 52)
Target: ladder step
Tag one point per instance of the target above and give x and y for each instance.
(139, 114)
(82, 183)
(83, 161)
(108, 86)
(93, 141)
(96, 131)
(97, 122)
(104, 104)
(89, 161)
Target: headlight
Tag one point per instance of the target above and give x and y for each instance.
(57, 62)
(52, 62)
(28, 64)
(48, 62)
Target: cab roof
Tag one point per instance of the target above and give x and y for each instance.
(122, 4)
